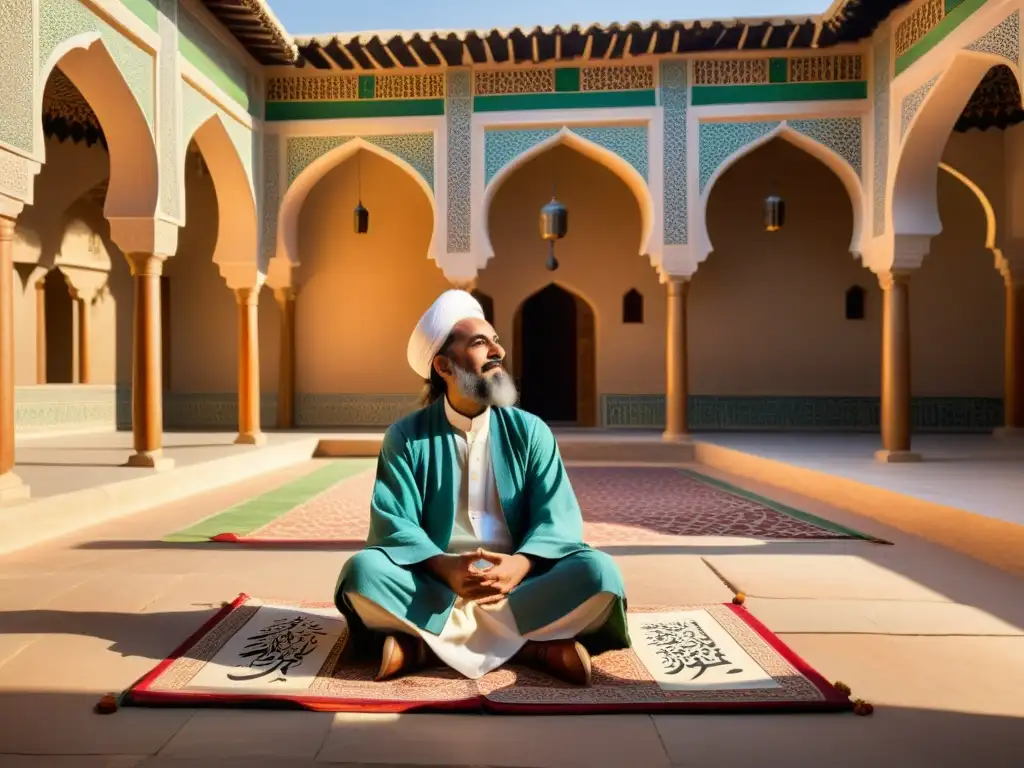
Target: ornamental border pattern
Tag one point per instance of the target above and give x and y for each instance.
(720, 141)
(17, 86)
(417, 149)
(271, 198)
(169, 112)
(673, 78)
(880, 160)
(61, 20)
(459, 124)
(842, 135)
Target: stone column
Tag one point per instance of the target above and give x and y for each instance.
(41, 330)
(1013, 355)
(895, 368)
(11, 486)
(248, 368)
(84, 305)
(285, 298)
(676, 384)
(147, 377)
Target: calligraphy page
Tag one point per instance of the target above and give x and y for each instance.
(279, 650)
(691, 651)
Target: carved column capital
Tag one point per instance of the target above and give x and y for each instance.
(145, 264)
(894, 277)
(247, 296)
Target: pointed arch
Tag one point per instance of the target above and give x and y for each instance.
(299, 189)
(849, 177)
(991, 224)
(613, 162)
(237, 231)
(914, 195)
(134, 174)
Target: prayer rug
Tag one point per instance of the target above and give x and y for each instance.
(705, 658)
(621, 506)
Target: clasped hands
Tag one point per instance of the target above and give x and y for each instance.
(483, 585)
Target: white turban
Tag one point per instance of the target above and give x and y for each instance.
(436, 325)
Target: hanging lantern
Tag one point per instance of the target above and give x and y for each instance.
(554, 224)
(774, 213)
(361, 219)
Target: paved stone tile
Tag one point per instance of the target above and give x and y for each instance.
(886, 617)
(70, 761)
(671, 580)
(809, 575)
(214, 734)
(523, 741)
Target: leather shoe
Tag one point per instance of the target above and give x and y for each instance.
(401, 655)
(565, 659)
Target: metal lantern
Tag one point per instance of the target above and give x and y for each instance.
(774, 213)
(554, 224)
(361, 219)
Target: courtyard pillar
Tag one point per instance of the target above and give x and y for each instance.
(676, 384)
(285, 298)
(248, 368)
(41, 330)
(84, 304)
(147, 376)
(11, 486)
(1013, 353)
(896, 415)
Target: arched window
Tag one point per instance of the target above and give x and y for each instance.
(487, 304)
(633, 307)
(855, 303)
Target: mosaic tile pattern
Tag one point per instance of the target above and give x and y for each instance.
(61, 20)
(168, 84)
(18, 116)
(271, 200)
(503, 145)
(912, 102)
(417, 149)
(838, 414)
(621, 506)
(840, 134)
(673, 82)
(880, 169)
(1003, 40)
(352, 410)
(459, 119)
(719, 141)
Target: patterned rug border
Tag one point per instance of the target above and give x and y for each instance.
(781, 508)
(497, 693)
(252, 514)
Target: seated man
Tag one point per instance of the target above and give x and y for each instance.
(475, 553)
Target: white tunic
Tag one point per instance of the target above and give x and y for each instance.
(477, 639)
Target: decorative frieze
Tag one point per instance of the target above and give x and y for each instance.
(354, 87)
(730, 71)
(825, 69)
(497, 82)
(918, 24)
(798, 69)
(616, 78)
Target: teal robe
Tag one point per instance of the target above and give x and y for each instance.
(412, 514)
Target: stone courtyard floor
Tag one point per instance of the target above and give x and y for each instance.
(933, 639)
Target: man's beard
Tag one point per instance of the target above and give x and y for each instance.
(497, 390)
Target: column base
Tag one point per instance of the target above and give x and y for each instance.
(897, 457)
(150, 460)
(675, 437)
(13, 488)
(1009, 433)
(251, 438)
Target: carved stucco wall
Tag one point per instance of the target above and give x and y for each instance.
(169, 110)
(459, 123)
(17, 74)
(673, 83)
(880, 169)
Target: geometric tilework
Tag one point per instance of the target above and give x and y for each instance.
(168, 82)
(1003, 40)
(880, 170)
(912, 102)
(673, 84)
(17, 74)
(840, 134)
(417, 149)
(271, 200)
(504, 145)
(719, 141)
(840, 414)
(60, 20)
(458, 125)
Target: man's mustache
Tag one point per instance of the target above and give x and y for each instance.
(494, 362)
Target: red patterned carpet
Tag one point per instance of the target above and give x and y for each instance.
(621, 506)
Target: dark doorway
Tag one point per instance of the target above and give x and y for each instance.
(60, 329)
(548, 355)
